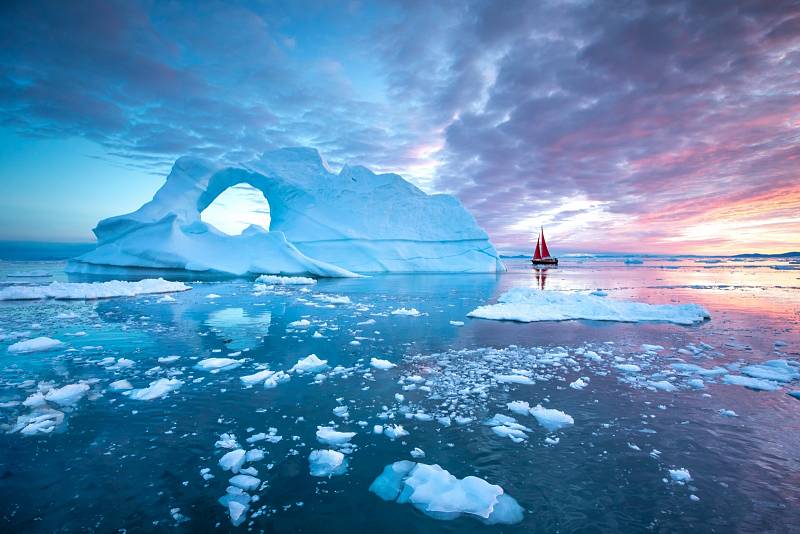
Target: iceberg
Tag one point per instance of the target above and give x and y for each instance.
(438, 494)
(527, 305)
(321, 224)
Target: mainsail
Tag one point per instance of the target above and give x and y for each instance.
(545, 252)
(537, 255)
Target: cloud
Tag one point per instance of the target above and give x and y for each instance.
(622, 127)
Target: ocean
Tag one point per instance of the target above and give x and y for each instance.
(660, 439)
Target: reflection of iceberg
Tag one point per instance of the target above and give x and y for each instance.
(242, 329)
(322, 223)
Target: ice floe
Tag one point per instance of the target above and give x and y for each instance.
(67, 395)
(95, 290)
(528, 305)
(38, 344)
(383, 365)
(437, 493)
(326, 463)
(157, 389)
(309, 364)
(215, 365)
(551, 419)
(285, 280)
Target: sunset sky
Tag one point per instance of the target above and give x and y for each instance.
(664, 126)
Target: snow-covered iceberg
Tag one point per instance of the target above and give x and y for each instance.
(527, 305)
(321, 223)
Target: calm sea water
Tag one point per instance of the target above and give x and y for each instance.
(120, 464)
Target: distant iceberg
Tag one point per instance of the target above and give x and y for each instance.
(322, 224)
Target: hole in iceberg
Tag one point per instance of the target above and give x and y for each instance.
(236, 209)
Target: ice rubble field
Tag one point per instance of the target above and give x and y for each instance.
(365, 403)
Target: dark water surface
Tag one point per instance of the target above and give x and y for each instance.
(117, 463)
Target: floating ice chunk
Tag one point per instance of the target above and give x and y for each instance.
(333, 299)
(628, 367)
(157, 389)
(580, 383)
(285, 280)
(302, 323)
(457, 323)
(528, 305)
(256, 378)
(437, 493)
(254, 455)
(411, 312)
(514, 434)
(651, 348)
(215, 365)
(309, 364)
(96, 290)
(417, 453)
(213, 296)
(394, 431)
(519, 407)
(680, 476)
(775, 370)
(341, 411)
(328, 436)
(169, 359)
(67, 395)
(38, 344)
(36, 399)
(692, 369)
(227, 441)
(245, 482)
(166, 299)
(662, 385)
(121, 363)
(326, 463)
(696, 383)
(278, 378)
(237, 510)
(232, 461)
(384, 365)
(727, 413)
(40, 421)
(513, 379)
(750, 383)
(551, 419)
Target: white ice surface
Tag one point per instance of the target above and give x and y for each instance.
(326, 463)
(529, 304)
(157, 389)
(94, 290)
(437, 493)
(38, 344)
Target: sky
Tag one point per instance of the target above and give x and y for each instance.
(631, 126)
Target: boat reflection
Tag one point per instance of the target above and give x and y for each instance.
(541, 277)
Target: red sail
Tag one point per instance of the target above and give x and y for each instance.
(545, 252)
(537, 255)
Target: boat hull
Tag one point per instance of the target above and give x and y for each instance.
(545, 261)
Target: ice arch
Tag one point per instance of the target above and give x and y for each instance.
(237, 208)
(321, 223)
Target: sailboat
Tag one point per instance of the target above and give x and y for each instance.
(542, 256)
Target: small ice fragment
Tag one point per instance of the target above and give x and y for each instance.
(551, 419)
(67, 395)
(394, 431)
(309, 364)
(417, 453)
(411, 312)
(328, 436)
(383, 365)
(233, 460)
(680, 476)
(326, 463)
(245, 482)
(157, 389)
